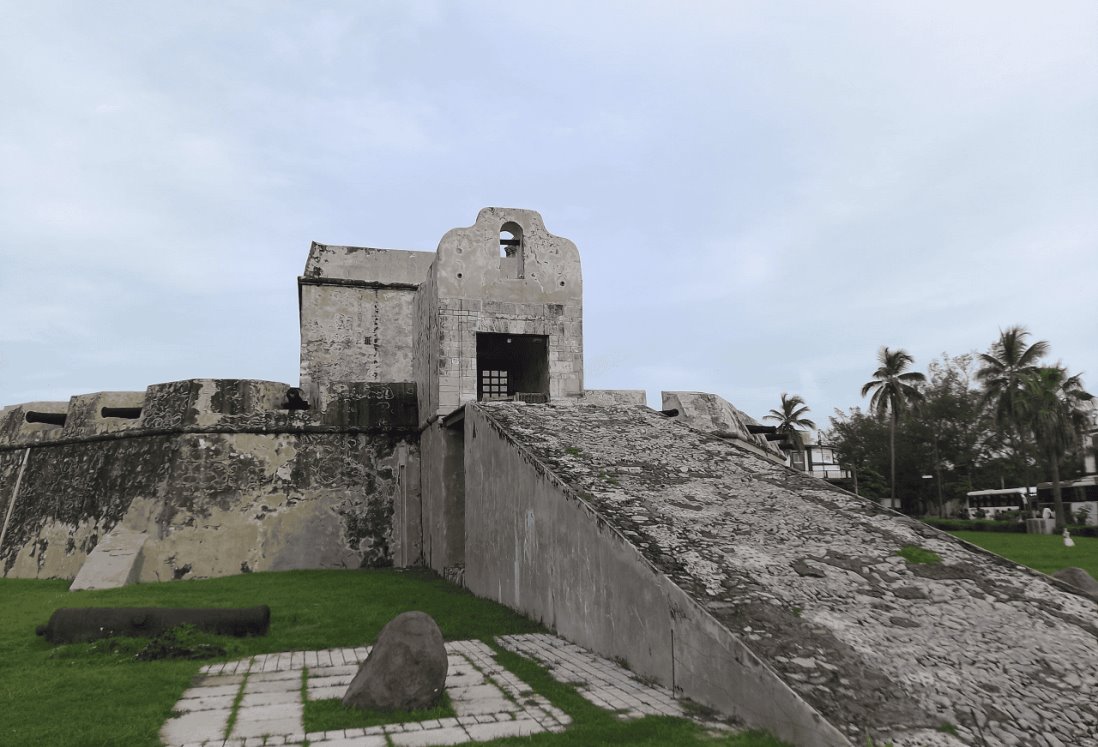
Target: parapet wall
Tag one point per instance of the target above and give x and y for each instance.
(223, 476)
(215, 405)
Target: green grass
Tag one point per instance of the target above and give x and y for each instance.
(919, 555)
(93, 694)
(331, 714)
(1043, 552)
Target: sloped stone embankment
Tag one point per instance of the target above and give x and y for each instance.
(808, 577)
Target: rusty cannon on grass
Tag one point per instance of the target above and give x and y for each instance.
(79, 624)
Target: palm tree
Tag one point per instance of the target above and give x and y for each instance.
(1058, 411)
(1003, 373)
(790, 419)
(894, 388)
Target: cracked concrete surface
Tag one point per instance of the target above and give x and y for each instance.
(809, 578)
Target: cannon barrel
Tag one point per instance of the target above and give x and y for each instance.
(49, 418)
(76, 624)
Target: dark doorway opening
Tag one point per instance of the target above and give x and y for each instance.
(512, 365)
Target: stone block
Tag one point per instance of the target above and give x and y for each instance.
(115, 561)
(451, 735)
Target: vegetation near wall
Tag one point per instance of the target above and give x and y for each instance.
(978, 421)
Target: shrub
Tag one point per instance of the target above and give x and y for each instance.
(975, 525)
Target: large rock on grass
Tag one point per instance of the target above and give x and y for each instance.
(406, 669)
(1080, 579)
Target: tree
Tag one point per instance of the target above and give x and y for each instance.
(894, 389)
(1057, 411)
(857, 439)
(790, 419)
(955, 422)
(1003, 373)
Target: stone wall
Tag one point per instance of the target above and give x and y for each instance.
(221, 477)
(357, 314)
(443, 490)
(426, 353)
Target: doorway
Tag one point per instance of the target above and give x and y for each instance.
(510, 365)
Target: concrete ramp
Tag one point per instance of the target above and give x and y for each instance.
(115, 561)
(766, 593)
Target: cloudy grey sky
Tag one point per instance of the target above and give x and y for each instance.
(763, 193)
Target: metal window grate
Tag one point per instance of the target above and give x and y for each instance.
(493, 385)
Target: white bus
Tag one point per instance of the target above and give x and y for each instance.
(988, 504)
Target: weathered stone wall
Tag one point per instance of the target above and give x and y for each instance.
(365, 334)
(805, 576)
(69, 495)
(443, 490)
(427, 347)
(537, 546)
(477, 290)
(220, 477)
(615, 397)
(357, 314)
(212, 504)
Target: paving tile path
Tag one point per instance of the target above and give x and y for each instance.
(600, 681)
(489, 701)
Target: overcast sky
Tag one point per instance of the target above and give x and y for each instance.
(762, 193)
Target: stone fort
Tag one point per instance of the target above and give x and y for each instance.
(441, 420)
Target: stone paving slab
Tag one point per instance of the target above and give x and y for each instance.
(212, 691)
(216, 702)
(452, 735)
(201, 727)
(601, 681)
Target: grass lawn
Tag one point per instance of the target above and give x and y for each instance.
(93, 694)
(1043, 552)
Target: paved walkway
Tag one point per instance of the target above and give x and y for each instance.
(266, 692)
(599, 680)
